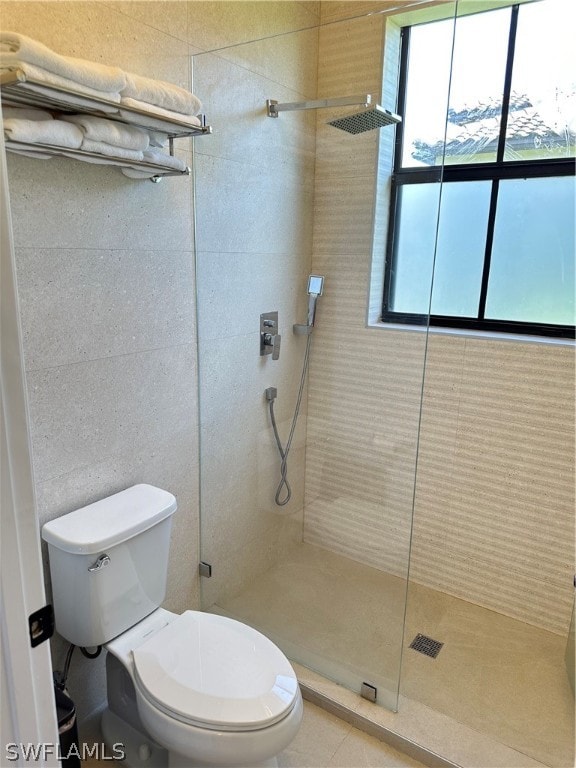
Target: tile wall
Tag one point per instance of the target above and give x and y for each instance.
(254, 208)
(107, 285)
(494, 514)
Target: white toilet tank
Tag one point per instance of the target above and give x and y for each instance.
(109, 563)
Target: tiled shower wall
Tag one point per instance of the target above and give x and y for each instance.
(494, 506)
(106, 277)
(260, 170)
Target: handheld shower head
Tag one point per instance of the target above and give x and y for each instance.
(315, 285)
(315, 289)
(367, 119)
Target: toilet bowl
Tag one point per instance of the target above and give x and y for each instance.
(194, 689)
(209, 690)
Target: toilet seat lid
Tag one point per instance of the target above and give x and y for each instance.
(215, 672)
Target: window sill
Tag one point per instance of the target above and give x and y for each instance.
(486, 335)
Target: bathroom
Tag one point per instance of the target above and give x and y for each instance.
(448, 454)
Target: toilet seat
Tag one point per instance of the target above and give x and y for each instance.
(215, 673)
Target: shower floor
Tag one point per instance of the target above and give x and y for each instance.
(497, 675)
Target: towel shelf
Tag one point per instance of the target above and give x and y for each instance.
(41, 150)
(14, 92)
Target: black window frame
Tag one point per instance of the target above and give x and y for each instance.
(492, 171)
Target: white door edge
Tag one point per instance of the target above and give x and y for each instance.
(28, 713)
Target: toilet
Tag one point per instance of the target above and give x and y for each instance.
(195, 689)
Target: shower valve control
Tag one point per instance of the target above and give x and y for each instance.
(269, 337)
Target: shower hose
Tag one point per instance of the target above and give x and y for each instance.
(284, 491)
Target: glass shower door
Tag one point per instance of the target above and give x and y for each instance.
(277, 200)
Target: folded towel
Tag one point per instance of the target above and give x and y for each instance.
(43, 132)
(30, 153)
(25, 113)
(15, 47)
(110, 132)
(100, 160)
(161, 94)
(148, 120)
(155, 156)
(101, 148)
(80, 95)
(139, 173)
(159, 158)
(158, 139)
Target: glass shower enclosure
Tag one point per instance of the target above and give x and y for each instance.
(431, 472)
(324, 576)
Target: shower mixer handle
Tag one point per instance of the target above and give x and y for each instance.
(271, 343)
(270, 339)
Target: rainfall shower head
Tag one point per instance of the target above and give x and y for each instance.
(367, 119)
(372, 116)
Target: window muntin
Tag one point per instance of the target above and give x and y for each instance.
(466, 293)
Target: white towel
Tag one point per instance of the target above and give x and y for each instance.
(15, 47)
(43, 132)
(110, 132)
(149, 120)
(81, 95)
(25, 113)
(101, 148)
(139, 173)
(30, 153)
(155, 156)
(161, 94)
(158, 139)
(159, 158)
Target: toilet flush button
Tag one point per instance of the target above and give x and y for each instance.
(144, 752)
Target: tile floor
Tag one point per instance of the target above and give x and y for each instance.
(496, 675)
(325, 741)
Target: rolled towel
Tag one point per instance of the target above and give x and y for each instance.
(101, 148)
(110, 132)
(25, 113)
(53, 132)
(15, 47)
(161, 94)
(47, 83)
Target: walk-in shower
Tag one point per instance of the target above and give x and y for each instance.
(414, 559)
(371, 117)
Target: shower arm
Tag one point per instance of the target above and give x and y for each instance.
(273, 107)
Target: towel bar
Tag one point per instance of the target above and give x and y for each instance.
(13, 91)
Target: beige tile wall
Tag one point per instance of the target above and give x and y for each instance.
(494, 518)
(106, 288)
(255, 185)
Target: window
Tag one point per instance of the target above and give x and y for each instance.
(497, 236)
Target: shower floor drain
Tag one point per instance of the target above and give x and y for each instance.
(426, 645)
